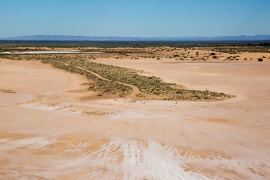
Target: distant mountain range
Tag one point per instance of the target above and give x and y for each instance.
(96, 38)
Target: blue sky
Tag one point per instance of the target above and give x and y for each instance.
(134, 18)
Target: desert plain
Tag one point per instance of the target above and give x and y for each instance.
(53, 127)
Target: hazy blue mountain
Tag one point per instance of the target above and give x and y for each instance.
(98, 38)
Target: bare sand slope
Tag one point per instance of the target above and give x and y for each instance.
(50, 130)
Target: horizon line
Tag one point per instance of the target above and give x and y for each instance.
(137, 36)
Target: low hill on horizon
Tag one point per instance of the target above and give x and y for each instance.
(108, 38)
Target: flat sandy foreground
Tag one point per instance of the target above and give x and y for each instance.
(51, 130)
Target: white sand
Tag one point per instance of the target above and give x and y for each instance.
(50, 52)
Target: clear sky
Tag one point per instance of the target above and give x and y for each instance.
(134, 18)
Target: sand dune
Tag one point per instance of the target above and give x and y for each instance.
(49, 130)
